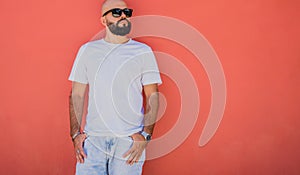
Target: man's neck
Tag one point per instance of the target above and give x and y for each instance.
(115, 39)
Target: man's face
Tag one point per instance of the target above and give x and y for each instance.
(117, 24)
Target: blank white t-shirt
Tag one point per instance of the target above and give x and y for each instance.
(116, 74)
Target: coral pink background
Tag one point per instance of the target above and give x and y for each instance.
(257, 43)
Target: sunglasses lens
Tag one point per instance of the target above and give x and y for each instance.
(128, 12)
(116, 12)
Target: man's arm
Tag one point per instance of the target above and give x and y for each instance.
(76, 104)
(152, 103)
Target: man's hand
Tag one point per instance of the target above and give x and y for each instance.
(136, 151)
(78, 146)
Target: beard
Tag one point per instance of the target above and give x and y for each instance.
(117, 30)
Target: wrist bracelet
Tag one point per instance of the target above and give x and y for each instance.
(75, 135)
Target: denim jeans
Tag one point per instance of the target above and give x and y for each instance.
(105, 157)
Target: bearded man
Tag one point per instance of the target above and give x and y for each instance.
(119, 74)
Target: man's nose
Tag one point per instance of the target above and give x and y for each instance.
(123, 16)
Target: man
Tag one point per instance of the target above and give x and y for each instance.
(118, 72)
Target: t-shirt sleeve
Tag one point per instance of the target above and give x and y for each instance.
(79, 70)
(150, 73)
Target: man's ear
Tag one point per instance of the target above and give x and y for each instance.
(103, 21)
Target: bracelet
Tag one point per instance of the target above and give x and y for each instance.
(75, 135)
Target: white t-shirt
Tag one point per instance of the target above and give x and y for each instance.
(116, 74)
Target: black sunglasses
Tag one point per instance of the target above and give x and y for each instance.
(117, 12)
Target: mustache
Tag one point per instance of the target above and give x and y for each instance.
(124, 19)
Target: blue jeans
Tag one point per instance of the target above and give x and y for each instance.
(105, 157)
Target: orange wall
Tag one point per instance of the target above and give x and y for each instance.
(257, 43)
